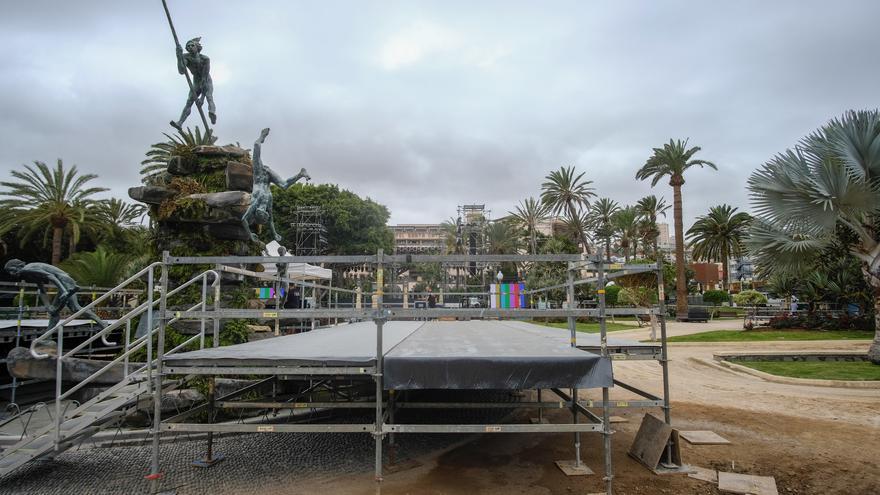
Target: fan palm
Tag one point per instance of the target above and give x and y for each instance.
(649, 208)
(45, 201)
(117, 212)
(565, 191)
(625, 222)
(801, 196)
(529, 213)
(719, 235)
(603, 209)
(158, 155)
(673, 160)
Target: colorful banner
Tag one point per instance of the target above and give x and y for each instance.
(507, 296)
(268, 293)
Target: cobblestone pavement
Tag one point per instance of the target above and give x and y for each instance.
(265, 459)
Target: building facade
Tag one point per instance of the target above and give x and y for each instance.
(419, 238)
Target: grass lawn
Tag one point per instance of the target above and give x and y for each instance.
(832, 370)
(590, 327)
(767, 335)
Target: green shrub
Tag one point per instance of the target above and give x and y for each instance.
(749, 298)
(611, 293)
(715, 296)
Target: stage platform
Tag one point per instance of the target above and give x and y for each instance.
(475, 354)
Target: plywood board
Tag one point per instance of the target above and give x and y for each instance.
(703, 437)
(704, 474)
(570, 469)
(650, 441)
(746, 484)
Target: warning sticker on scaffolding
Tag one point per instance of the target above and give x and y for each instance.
(622, 403)
(493, 429)
(265, 428)
(618, 357)
(615, 266)
(270, 314)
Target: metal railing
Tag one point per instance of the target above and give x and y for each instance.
(130, 347)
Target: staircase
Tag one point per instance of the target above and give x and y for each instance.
(109, 407)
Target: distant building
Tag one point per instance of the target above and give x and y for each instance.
(419, 238)
(664, 241)
(708, 275)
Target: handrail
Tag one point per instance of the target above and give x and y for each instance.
(94, 303)
(140, 309)
(131, 347)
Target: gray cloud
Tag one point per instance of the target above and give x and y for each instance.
(426, 105)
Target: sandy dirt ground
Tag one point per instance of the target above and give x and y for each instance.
(813, 440)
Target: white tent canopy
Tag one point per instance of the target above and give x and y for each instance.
(296, 271)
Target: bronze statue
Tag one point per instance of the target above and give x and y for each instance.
(202, 88)
(260, 209)
(41, 274)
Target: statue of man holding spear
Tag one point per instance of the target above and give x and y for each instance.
(200, 85)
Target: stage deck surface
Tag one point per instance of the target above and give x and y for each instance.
(475, 354)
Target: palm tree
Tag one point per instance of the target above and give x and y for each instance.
(625, 222)
(603, 210)
(529, 213)
(649, 208)
(565, 191)
(181, 143)
(47, 200)
(117, 212)
(672, 160)
(101, 267)
(719, 235)
(801, 197)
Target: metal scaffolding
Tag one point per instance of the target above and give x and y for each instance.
(309, 231)
(359, 386)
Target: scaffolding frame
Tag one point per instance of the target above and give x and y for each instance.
(384, 424)
(309, 231)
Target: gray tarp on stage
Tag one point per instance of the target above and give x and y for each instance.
(474, 354)
(343, 345)
(480, 354)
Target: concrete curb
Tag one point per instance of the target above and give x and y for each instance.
(866, 384)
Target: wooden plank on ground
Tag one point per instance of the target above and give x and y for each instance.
(746, 484)
(703, 437)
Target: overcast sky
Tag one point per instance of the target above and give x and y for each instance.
(426, 105)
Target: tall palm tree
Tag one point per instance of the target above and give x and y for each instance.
(529, 213)
(719, 235)
(603, 209)
(45, 201)
(101, 267)
(672, 160)
(625, 222)
(801, 197)
(565, 191)
(649, 208)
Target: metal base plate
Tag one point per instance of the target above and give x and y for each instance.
(570, 469)
(206, 463)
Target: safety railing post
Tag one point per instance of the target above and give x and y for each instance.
(59, 370)
(157, 388)
(572, 328)
(151, 289)
(606, 397)
(664, 356)
(204, 308)
(380, 320)
(216, 334)
(125, 350)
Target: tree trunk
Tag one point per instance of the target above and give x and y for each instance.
(607, 249)
(572, 214)
(71, 246)
(874, 350)
(681, 305)
(57, 234)
(725, 270)
(534, 241)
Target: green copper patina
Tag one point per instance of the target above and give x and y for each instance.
(260, 210)
(42, 274)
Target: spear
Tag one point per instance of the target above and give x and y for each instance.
(185, 72)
